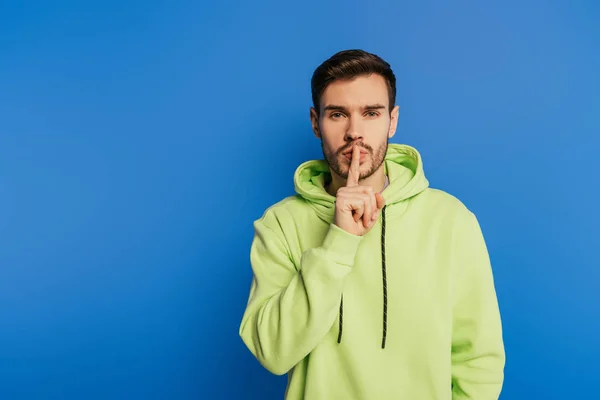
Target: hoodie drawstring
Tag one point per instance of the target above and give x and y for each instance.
(384, 275)
(341, 319)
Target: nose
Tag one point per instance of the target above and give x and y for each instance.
(354, 131)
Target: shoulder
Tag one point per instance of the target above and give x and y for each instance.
(443, 201)
(284, 210)
(446, 209)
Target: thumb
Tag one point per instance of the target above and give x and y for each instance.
(380, 200)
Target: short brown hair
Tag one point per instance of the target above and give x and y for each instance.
(349, 64)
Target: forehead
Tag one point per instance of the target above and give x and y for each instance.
(359, 91)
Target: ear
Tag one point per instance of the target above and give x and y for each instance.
(314, 120)
(393, 121)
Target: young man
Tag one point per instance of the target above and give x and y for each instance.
(367, 283)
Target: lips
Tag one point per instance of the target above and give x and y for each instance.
(348, 153)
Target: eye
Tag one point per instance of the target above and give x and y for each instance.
(372, 114)
(336, 115)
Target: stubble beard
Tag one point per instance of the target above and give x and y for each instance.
(333, 158)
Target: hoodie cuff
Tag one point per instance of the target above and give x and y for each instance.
(341, 246)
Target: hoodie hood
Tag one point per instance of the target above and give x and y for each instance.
(402, 165)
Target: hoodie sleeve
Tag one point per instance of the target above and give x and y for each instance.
(478, 356)
(292, 307)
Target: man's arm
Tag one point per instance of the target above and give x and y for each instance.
(478, 356)
(291, 308)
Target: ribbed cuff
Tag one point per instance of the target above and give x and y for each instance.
(341, 246)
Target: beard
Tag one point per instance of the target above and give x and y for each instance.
(376, 156)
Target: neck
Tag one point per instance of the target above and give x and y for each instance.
(376, 181)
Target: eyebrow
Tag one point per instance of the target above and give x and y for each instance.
(334, 107)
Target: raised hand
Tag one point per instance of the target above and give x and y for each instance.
(357, 208)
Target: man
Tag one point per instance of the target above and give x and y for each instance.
(368, 284)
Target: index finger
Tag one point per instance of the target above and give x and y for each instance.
(353, 172)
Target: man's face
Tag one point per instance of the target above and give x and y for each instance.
(355, 111)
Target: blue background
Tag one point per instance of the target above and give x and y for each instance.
(140, 140)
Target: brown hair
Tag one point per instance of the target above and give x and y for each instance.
(349, 64)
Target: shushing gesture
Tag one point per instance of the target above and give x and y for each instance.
(357, 208)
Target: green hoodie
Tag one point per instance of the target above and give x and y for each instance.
(407, 311)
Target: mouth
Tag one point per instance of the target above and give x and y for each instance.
(363, 156)
(348, 153)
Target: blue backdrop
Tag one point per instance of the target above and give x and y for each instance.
(140, 140)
